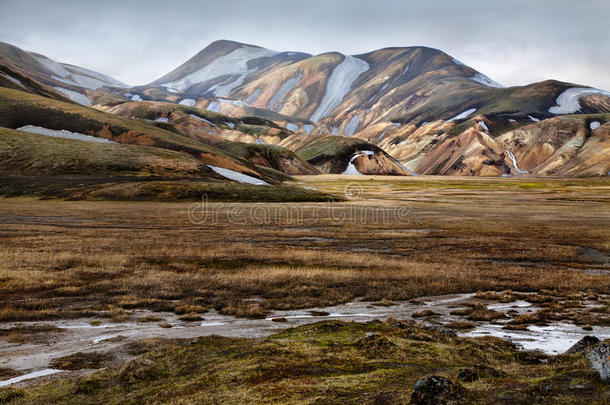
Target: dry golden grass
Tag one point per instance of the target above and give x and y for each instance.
(60, 258)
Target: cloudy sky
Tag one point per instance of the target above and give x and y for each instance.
(514, 42)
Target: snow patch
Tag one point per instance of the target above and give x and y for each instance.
(568, 100)
(62, 134)
(240, 177)
(404, 72)
(308, 128)
(53, 66)
(352, 126)
(214, 106)
(339, 84)
(162, 119)
(233, 64)
(252, 97)
(483, 126)
(202, 119)
(74, 96)
(351, 168)
(292, 127)
(594, 125)
(463, 115)
(29, 376)
(136, 97)
(533, 118)
(188, 101)
(230, 124)
(107, 79)
(481, 78)
(12, 79)
(286, 88)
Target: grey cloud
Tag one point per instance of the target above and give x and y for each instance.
(514, 42)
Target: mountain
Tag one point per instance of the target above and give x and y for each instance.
(428, 110)
(73, 82)
(345, 94)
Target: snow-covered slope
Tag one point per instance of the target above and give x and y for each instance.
(339, 84)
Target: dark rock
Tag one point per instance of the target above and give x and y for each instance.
(435, 390)
(582, 345)
(599, 360)
(443, 331)
(318, 313)
(279, 320)
(477, 372)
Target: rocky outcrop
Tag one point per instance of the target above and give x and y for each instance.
(582, 345)
(599, 360)
(435, 390)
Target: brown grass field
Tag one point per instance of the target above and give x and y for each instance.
(393, 239)
(398, 239)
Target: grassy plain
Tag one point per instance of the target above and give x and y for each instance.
(395, 239)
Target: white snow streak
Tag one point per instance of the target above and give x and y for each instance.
(74, 96)
(187, 101)
(568, 100)
(462, 115)
(162, 119)
(240, 177)
(29, 376)
(109, 80)
(352, 126)
(292, 127)
(308, 128)
(339, 84)
(286, 88)
(483, 125)
(214, 106)
(481, 78)
(202, 119)
(53, 66)
(234, 63)
(12, 79)
(252, 97)
(62, 134)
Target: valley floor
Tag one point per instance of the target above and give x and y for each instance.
(394, 239)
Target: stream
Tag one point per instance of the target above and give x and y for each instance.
(88, 335)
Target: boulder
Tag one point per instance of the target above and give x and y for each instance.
(435, 390)
(583, 344)
(599, 360)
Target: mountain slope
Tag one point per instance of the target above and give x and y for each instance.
(346, 94)
(71, 81)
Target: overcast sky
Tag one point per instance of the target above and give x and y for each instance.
(514, 42)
